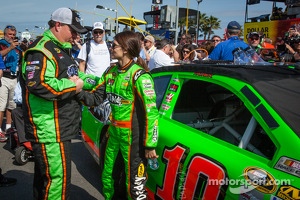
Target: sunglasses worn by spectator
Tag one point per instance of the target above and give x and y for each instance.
(254, 38)
(185, 51)
(98, 32)
(216, 40)
(10, 27)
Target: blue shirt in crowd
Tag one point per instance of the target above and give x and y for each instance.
(223, 51)
(2, 66)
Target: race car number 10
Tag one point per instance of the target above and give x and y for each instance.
(193, 182)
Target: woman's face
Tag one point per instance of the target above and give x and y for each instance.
(185, 52)
(116, 50)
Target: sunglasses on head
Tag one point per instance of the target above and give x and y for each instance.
(98, 32)
(10, 27)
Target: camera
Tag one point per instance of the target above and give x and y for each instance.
(16, 38)
(290, 40)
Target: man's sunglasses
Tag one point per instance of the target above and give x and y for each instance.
(98, 32)
(10, 27)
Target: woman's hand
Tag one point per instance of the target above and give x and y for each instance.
(150, 154)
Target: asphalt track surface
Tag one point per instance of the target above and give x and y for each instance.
(85, 181)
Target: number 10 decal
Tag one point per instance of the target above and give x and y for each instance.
(193, 181)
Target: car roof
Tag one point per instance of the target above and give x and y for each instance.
(279, 85)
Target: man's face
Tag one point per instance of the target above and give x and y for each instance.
(253, 40)
(98, 35)
(10, 34)
(183, 40)
(148, 44)
(166, 49)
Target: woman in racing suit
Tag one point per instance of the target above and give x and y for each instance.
(134, 117)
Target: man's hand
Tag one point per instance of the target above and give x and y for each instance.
(78, 82)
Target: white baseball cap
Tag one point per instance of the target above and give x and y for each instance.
(98, 25)
(70, 17)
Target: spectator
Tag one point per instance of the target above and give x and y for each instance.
(11, 54)
(76, 46)
(204, 50)
(51, 110)
(293, 54)
(280, 45)
(223, 51)
(24, 44)
(143, 52)
(161, 56)
(254, 40)
(187, 53)
(94, 55)
(17, 114)
(3, 137)
(185, 39)
(216, 39)
(149, 43)
(267, 43)
(6, 181)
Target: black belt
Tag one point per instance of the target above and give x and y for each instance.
(9, 75)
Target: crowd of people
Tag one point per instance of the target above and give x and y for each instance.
(60, 73)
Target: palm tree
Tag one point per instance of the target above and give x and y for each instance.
(211, 24)
(206, 24)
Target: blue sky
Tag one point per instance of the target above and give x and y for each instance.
(31, 13)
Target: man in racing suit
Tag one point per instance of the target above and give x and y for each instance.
(134, 122)
(51, 111)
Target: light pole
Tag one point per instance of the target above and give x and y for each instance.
(176, 23)
(114, 10)
(197, 28)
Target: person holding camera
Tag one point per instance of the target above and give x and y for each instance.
(293, 51)
(11, 54)
(292, 45)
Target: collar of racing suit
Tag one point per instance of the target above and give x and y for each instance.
(64, 45)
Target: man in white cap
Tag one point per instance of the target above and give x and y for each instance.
(149, 43)
(94, 55)
(50, 84)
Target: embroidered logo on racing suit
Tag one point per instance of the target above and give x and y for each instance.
(155, 132)
(139, 182)
(115, 99)
(72, 70)
(137, 75)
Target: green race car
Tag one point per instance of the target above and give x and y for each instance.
(225, 132)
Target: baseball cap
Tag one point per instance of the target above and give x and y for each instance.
(70, 17)
(150, 38)
(98, 25)
(233, 25)
(251, 34)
